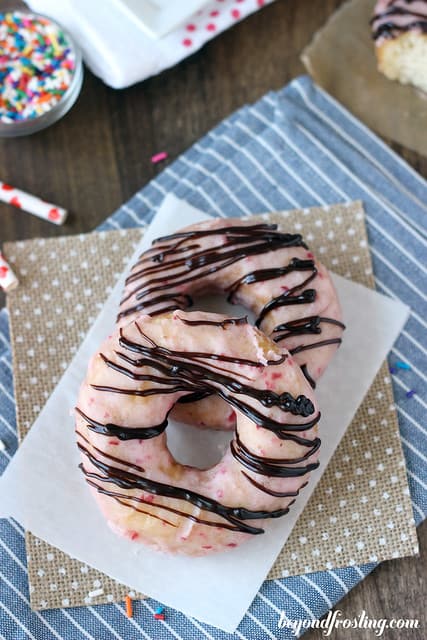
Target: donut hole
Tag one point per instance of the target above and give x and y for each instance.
(203, 448)
(200, 448)
(217, 303)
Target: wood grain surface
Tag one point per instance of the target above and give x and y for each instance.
(99, 155)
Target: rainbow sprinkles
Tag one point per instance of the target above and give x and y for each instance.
(37, 64)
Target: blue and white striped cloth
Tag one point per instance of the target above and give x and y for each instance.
(293, 148)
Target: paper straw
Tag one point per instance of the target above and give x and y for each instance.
(8, 280)
(32, 204)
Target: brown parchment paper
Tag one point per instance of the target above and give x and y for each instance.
(341, 59)
(361, 509)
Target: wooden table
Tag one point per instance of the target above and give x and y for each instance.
(99, 155)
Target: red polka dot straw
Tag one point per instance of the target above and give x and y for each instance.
(32, 204)
(8, 279)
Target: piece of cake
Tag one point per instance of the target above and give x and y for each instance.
(399, 28)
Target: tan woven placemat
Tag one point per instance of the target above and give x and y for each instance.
(361, 509)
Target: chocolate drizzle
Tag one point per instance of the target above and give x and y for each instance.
(392, 21)
(193, 373)
(213, 323)
(308, 377)
(302, 326)
(270, 274)
(275, 467)
(123, 433)
(178, 264)
(271, 492)
(241, 242)
(184, 371)
(315, 345)
(306, 297)
(131, 481)
(306, 326)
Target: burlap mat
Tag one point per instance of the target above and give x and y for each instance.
(360, 511)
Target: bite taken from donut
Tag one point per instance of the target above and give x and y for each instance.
(271, 273)
(132, 384)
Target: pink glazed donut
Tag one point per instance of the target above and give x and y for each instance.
(271, 273)
(133, 383)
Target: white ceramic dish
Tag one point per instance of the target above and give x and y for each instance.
(158, 17)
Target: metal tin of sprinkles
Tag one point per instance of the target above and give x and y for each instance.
(41, 72)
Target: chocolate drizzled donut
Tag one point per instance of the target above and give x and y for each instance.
(210, 255)
(144, 368)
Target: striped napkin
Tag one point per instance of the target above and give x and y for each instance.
(293, 149)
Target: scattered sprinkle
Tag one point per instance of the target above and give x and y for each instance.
(37, 65)
(403, 365)
(96, 592)
(158, 157)
(2, 446)
(129, 609)
(410, 393)
(159, 610)
(393, 370)
(159, 616)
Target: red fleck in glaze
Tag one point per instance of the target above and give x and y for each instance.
(113, 442)
(276, 376)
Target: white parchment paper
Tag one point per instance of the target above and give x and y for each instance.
(43, 489)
